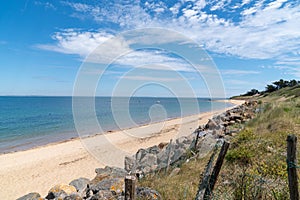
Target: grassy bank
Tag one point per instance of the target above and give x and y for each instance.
(255, 165)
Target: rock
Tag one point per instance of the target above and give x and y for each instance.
(106, 184)
(140, 154)
(61, 190)
(238, 121)
(177, 155)
(153, 149)
(129, 162)
(102, 195)
(118, 188)
(211, 124)
(235, 117)
(162, 145)
(175, 171)
(147, 163)
(184, 140)
(147, 193)
(218, 132)
(231, 123)
(162, 159)
(192, 145)
(115, 172)
(207, 145)
(31, 196)
(80, 184)
(73, 197)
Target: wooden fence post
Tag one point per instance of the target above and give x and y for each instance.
(197, 138)
(292, 165)
(216, 171)
(169, 155)
(206, 176)
(130, 187)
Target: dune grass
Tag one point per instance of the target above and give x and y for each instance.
(255, 165)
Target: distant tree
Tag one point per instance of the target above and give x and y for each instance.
(271, 88)
(253, 92)
(293, 83)
(281, 84)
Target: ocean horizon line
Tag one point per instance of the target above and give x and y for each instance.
(211, 98)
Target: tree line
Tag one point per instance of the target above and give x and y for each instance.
(276, 85)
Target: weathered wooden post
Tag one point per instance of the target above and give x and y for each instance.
(130, 187)
(197, 138)
(169, 155)
(292, 165)
(206, 176)
(216, 171)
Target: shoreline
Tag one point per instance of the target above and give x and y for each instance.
(116, 130)
(38, 168)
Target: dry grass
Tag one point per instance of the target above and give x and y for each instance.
(255, 165)
(184, 185)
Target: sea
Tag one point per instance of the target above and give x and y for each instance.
(31, 121)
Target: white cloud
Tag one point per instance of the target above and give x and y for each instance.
(46, 5)
(80, 7)
(238, 72)
(249, 11)
(149, 78)
(175, 9)
(265, 31)
(244, 2)
(72, 41)
(275, 4)
(100, 47)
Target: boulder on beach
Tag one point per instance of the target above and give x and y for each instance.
(80, 184)
(61, 191)
(31, 196)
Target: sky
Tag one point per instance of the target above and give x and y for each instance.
(147, 48)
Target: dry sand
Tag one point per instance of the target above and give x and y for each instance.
(38, 169)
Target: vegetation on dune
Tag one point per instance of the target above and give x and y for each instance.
(275, 86)
(255, 165)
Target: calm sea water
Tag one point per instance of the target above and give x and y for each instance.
(27, 122)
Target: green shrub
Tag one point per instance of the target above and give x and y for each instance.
(242, 155)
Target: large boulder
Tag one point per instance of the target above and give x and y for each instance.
(61, 191)
(211, 124)
(108, 178)
(114, 172)
(162, 159)
(111, 184)
(154, 149)
(207, 144)
(141, 153)
(129, 163)
(148, 163)
(31, 196)
(177, 154)
(80, 184)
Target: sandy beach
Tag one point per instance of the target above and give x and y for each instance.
(38, 169)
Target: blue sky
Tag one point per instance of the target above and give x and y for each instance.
(44, 43)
